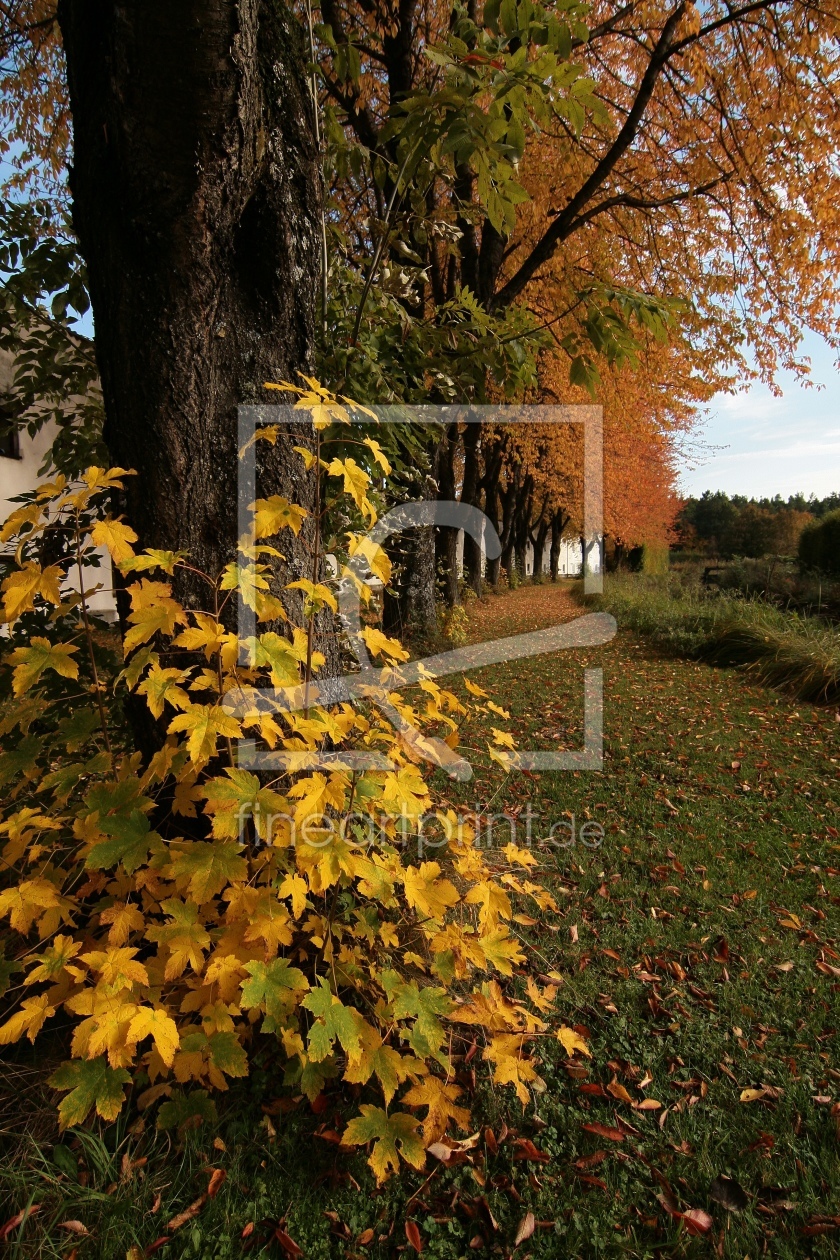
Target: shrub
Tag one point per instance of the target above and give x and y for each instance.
(819, 545)
(181, 910)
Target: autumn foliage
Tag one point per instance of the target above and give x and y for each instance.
(178, 911)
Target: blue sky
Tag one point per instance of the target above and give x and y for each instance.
(756, 444)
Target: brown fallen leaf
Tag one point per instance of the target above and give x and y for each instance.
(604, 1131)
(75, 1227)
(188, 1214)
(526, 1228)
(729, 1194)
(525, 1149)
(648, 1104)
(414, 1236)
(288, 1244)
(155, 1246)
(18, 1219)
(697, 1221)
(365, 1238)
(217, 1177)
(618, 1091)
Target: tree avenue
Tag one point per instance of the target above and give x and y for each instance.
(523, 201)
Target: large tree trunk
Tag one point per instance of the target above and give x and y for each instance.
(471, 494)
(196, 199)
(558, 524)
(446, 537)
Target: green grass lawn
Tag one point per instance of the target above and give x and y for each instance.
(699, 954)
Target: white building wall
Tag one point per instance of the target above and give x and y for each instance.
(20, 474)
(569, 564)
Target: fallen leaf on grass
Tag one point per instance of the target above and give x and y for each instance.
(188, 1214)
(413, 1235)
(752, 1095)
(156, 1245)
(729, 1194)
(572, 1041)
(525, 1149)
(648, 1104)
(526, 1228)
(366, 1237)
(288, 1244)
(604, 1131)
(75, 1227)
(618, 1091)
(697, 1221)
(18, 1219)
(217, 1176)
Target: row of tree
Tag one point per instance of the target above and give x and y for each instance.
(420, 202)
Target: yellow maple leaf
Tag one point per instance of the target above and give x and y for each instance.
(503, 738)
(511, 1068)
(295, 887)
(273, 514)
(155, 1023)
(378, 454)
(153, 611)
(405, 792)
(501, 950)
(316, 794)
(316, 595)
(248, 579)
(205, 724)
(494, 903)
(104, 478)
(117, 967)
(356, 482)
(427, 893)
(124, 919)
(27, 902)
(572, 1041)
(30, 662)
(116, 536)
(29, 1019)
(381, 645)
(23, 584)
(440, 1098)
(160, 687)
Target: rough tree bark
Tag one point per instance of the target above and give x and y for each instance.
(196, 199)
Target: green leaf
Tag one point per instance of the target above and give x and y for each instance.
(425, 1006)
(131, 841)
(228, 1054)
(335, 1022)
(209, 867)
(187, 1111)
(273, 987)
(77, 729)
(92, 1083)
(239, 797)
(20, 760)
(8, 967)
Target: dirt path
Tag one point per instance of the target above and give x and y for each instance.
(526, 608)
